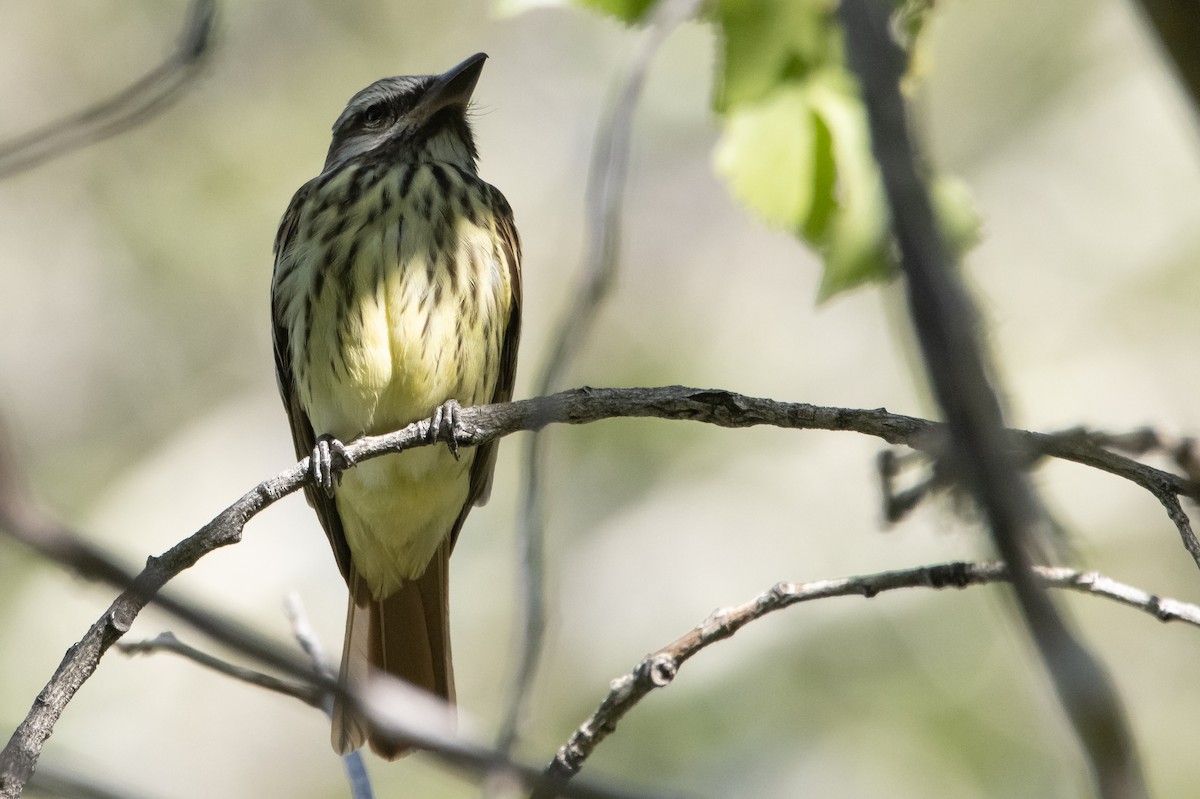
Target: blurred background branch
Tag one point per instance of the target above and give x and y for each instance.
(1177, 25)
(168, 642)
(947, 328)
(133, 105)
(310, 642)
(607, 174)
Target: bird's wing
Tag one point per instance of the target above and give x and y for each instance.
(302, 431)
(510, 252)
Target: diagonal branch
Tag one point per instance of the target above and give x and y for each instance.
(946, 324)
(658, 669)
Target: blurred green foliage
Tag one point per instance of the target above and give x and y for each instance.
(626, 10)
(796, 149)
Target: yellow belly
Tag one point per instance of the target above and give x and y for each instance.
(397, 509)
(403, 327)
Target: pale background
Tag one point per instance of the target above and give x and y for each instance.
(136, 376)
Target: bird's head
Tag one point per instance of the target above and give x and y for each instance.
(410, 118)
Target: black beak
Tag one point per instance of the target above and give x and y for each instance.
(454, 87)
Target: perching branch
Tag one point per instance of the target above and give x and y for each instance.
(658, 669)
(478, 425)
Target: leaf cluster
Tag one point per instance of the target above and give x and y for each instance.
(795, 148)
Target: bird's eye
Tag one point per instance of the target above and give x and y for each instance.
(374, 115)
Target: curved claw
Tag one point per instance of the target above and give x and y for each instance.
(445, 425)
(327, 462)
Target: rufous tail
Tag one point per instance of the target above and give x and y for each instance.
(407, 635)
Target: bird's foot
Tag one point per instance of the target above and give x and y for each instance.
(328, 460)
(445, 426)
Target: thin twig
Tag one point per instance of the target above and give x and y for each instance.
(899, 501)
(603, 199)
(946, 326)
(659, 668)
(307, 692)
(1090, 450)
(306, 637)
(131, 106)
(167, 642)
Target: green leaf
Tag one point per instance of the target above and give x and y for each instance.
(796, 146)
(768, 154)
(629, 11)
(856, 243)
(801, 160)
(769, 42)
(512, 8)
(955, 210)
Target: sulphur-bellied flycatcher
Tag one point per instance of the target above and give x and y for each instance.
(396, 294)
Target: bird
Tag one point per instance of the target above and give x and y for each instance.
(396, 297)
